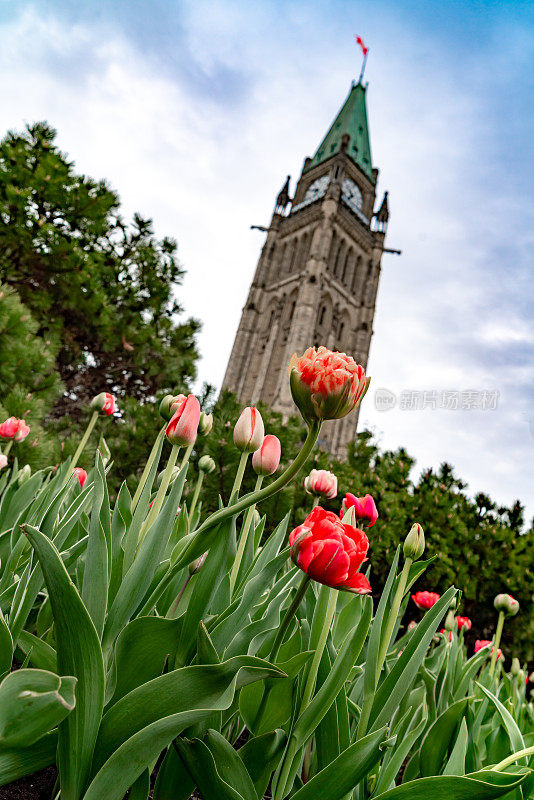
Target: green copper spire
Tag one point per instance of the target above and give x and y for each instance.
(352, 122)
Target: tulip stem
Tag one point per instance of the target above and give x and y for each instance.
(514, 757)
(243, 539)
(256, 497)
(314, 668)
(315, 502)
(196, 493)
(187, 454)
(8, 447)
(496, 643)
(331, 595)
(162, 491)
(239, 474)
(384, 645)
(148, 467)
(392, 618)
(279, 638)
(81, 445)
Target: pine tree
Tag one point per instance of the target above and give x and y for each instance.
(102, 288)
(29, 381)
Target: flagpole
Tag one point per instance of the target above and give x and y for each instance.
(360, 79)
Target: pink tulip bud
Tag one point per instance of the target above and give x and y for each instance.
(463, 622)
(9, 428)
(81, 474)
(249, 430)
(22, 432)
(105, 403)
(266, 459)
(183, 427)
(3, 461)
(364, 509)
(321, 483)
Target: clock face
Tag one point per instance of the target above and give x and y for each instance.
(317, 189)
(351, 194)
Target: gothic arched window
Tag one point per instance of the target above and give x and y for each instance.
(355, 274)
(346, 260)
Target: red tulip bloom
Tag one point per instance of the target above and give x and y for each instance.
(480, 643)
(425, 600)
(330, 551)
(321, 483)
(326, 384)
(444, 632)
(463, 622)
(183, 427)
(364, 508)
(81, 474)
(9, 428)
(266, 459)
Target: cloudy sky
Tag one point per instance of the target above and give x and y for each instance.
(196, 111)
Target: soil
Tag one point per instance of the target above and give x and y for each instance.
(38, 786)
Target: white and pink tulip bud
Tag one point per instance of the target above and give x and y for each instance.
(206, 464)
(183, 427)
(266, 459)
(104, 403)
(206, 423)
(9, 428)
(81, 474)
(169, 404)
(22, 432)
(507, 604)
(249, 431)
(3, 461)
(321, 483)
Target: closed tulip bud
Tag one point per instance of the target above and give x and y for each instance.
(195, 565)
(206, 423)
(22, 432)
(326, 384)
(414, 544)
(9, 428)
(256, 518)
(515, 669)
(183, 427)
(321, 483)
(168, 405)
(174, 474)
(450, 622)
(3, 461)
(266, 459)
(206, 464)
(249, 430)
(522, 677)
(104, 403)
(507, 604)
(81, 474)
(24, 474)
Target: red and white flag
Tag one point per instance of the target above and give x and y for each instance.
(359, 41)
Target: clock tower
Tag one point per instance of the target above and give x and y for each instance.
(317, 276)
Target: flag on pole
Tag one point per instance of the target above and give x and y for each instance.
(359, 41)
